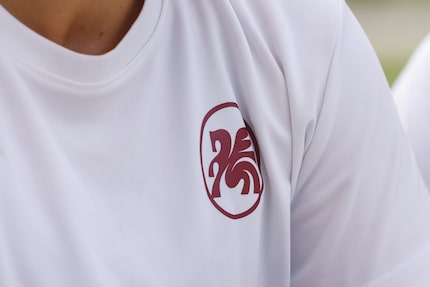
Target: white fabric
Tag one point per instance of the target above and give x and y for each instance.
(109, 164)
(412, 95)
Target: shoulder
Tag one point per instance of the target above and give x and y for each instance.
(301, 35)
(423, 49)
(299, 11)
(310, 24)
(313, 21)
(420, 57)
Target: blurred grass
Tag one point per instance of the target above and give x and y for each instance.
(395, 28)
(392, 67)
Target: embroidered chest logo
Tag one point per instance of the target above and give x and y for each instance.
(230, 162)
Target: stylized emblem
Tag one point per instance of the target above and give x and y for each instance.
(230, 162)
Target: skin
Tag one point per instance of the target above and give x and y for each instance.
(91, 27)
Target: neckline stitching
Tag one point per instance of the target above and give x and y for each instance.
(47, 75)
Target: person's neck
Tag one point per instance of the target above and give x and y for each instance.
(86, 26)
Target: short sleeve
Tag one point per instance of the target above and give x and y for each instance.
(360, 211)
(412, 95)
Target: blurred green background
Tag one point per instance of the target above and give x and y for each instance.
(395, 28)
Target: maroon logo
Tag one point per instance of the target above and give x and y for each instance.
(230, 162)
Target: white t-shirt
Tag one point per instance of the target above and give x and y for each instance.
(412, 95)
(221, 144)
